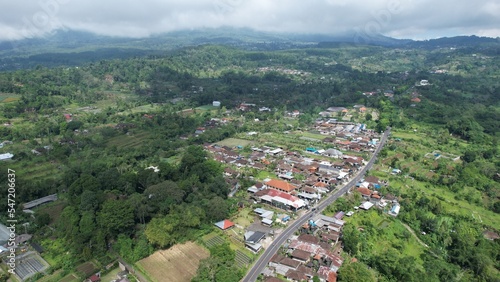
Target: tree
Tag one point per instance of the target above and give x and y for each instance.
(89, 201)
(216, 209)
(354, 271)
(116, 217)
(42, 219)
(159, 231)
(163, 195)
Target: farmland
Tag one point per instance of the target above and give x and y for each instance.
(178, 263)
(233, 142)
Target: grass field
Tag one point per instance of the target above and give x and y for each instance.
(207, 108)
(316, 136)
(265, 174)
(54, 210)
(459, 207)
(390, 233)
(177, 264)
(140, 109)
(233, 142)
(9, 97)
(244, 218)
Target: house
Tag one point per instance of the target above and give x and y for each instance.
(199, 130)
(279, 199)
(365, 192)
(294, 275)
(224, 224)
(6, 156)
(94, 278)
(252, 239)
(308, 239)
(326, 274)
(336, 109)
(68, 117)
(293, 264)
(281, 185)
(372, 180)
(275, 260)
(216, 103)
(273, 279)
(300, 255)
(395, 210)
(366, 205)
(333, 153)
(231, 172)
(396, 171)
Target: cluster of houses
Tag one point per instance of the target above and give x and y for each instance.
(318, 176)
(347, 136)
(368, 188)
(210, 124)
(315, 252)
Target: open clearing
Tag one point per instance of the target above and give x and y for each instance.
(9, 97)
(233, 142)
(178, 263)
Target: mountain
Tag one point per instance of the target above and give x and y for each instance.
(71, 47)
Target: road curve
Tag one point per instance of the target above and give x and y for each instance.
(261, 263)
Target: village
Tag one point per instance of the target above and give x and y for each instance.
(295, 183)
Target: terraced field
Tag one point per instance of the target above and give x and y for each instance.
(214, 241)
(130, 141)
(242, 260)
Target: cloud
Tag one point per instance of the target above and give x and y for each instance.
(401, 18)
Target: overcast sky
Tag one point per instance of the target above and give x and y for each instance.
(414, 19)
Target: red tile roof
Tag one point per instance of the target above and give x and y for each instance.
(364, 191)
(225, 224)
(280, 185)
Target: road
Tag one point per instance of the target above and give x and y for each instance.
(259, 265)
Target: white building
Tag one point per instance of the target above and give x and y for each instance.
(216, 103)
(6, 156)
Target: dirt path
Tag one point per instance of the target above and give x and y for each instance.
(418, 239)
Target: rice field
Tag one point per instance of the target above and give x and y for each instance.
(176, 264)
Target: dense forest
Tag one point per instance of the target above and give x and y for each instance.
(115, 204)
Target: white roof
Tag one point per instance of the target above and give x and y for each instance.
(252, 189)
(6, 156)
(267, 198)
(366, 205)
(275, 151)
(267, 214)
(267, 221)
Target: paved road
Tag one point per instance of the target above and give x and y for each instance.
(259, 265)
